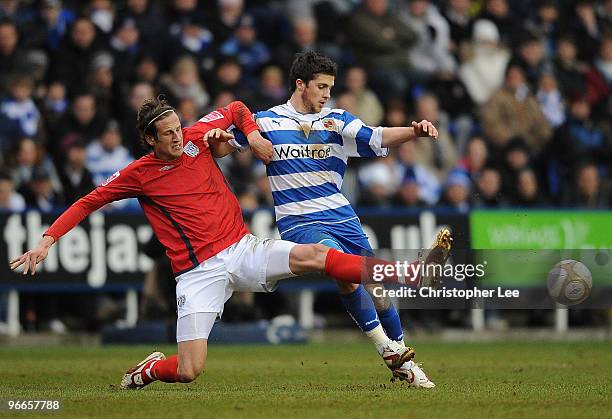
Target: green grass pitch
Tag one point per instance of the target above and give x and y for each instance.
(552, 379)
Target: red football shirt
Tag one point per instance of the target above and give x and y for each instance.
(192, 211)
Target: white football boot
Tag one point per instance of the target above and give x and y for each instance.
(412, 373)
(139, 376)
(395, 354)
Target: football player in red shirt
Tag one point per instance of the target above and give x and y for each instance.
(197, 218)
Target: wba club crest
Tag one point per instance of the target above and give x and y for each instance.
(191, 149)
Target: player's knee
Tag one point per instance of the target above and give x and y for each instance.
(307, 258)
(187, 375)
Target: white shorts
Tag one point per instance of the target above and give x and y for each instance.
(253, 264)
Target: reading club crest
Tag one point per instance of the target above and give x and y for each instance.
(191, 149)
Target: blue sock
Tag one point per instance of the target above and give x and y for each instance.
(360, 307)
(391, 323)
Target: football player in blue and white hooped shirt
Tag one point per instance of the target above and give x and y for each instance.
(311, 145)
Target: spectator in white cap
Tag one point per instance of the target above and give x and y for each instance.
(483, 71)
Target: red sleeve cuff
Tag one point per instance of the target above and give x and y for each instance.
(243, 118)
(53, 236)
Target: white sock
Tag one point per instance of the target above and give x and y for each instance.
(378, 336)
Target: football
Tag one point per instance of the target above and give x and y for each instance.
(569, 282)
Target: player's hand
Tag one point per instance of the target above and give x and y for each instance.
(33, 257)
(219, 135)
(262, 148)
(424, 129)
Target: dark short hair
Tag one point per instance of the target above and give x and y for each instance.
(307, 65)
(150, 111)
(5, 175)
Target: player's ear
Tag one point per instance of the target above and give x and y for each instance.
(150, 140)
(300, 85)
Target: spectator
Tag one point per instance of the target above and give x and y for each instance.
(367, 106)
(102, 14)
(456, 191)
(106, 156)
(380, 41)
(546, 25)
(498, 12)
(513, 111)
(516, 159)
(10, 200)
(55, 103)
(19, 106)
(126, 46)
(588, 193)
(189, 33)
(102, 82)
(12, 59)
(55, 22)
(72, 61)
(603, 62)
(20, 13)
(244, 46)
(76, 179)
(430, 55)
(528, 191)
(551, 100)
(27, 157)
(460, 22)
(227, 18)
(346, 101)
(146, 71)
(304, 37)
(483, 71)
(185, 83)
(396, 114)
(272, 90)
(408, 195)
(188, 112)
(39, 193)
(438, 156)
(569, 71)
(429, 185)
(531, 59)
(228, 77)
(149, 21)
(138, 93)
(580, 137)
(587, 28)
(476, 157)
(488, 189)
(83, 121)
(380, 181)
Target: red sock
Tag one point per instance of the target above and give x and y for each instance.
(166, 370)
(357, 269)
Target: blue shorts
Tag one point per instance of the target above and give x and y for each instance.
(347, 236)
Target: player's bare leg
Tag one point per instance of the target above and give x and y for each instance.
(184, 367)
(191, 359)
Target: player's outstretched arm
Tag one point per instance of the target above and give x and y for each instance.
(262, 148)
(395, 136)
(33, 257)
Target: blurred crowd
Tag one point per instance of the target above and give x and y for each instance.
(519, 91)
